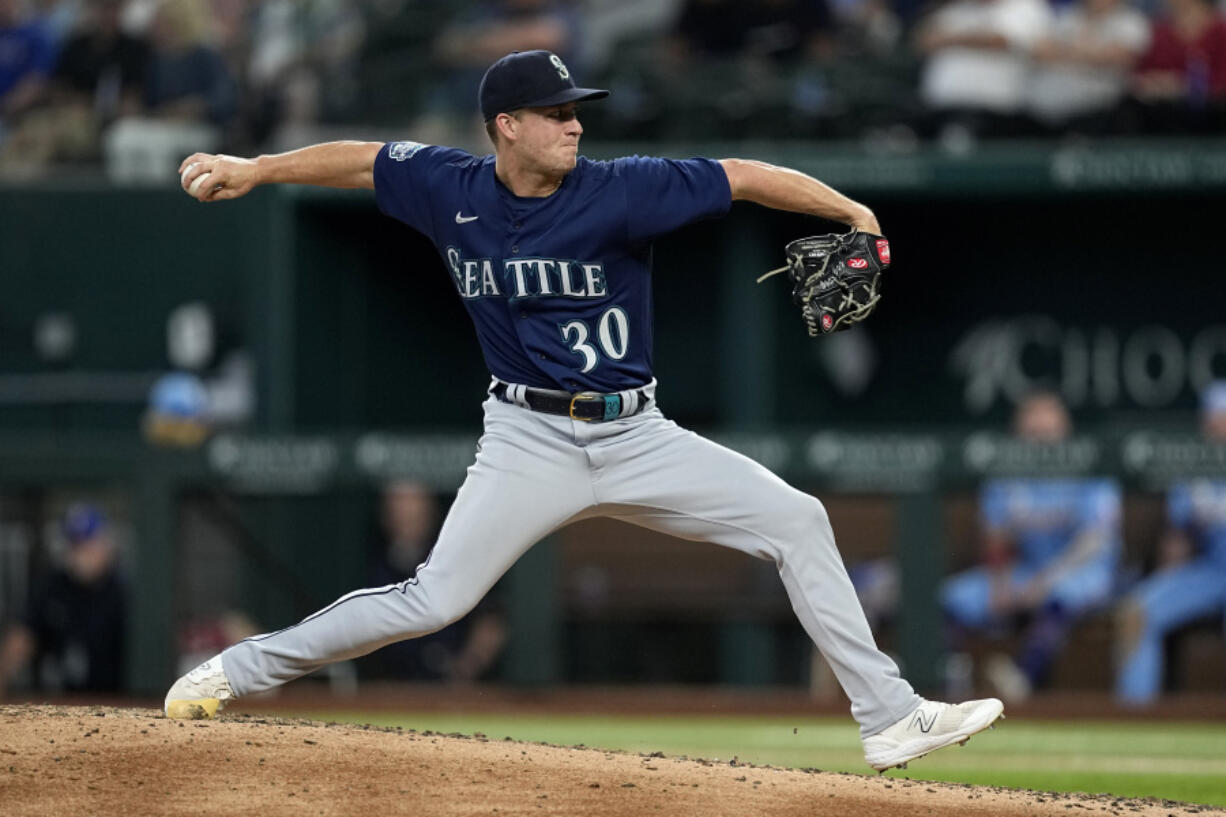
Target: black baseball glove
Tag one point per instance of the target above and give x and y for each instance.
(836, 278)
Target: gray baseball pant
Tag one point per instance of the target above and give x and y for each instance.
(533, 474)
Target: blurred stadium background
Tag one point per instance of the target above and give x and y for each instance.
(234, 386)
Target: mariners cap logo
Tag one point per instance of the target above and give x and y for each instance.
(529, 79)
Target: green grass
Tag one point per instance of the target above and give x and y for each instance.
(1177, 761)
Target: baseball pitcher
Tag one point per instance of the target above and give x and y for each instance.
(551, 254)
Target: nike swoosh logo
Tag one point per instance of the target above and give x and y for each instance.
(462, 219)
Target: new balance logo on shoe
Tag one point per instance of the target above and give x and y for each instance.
(925, 726)
(932, 726)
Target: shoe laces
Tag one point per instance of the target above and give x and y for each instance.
(211, 679)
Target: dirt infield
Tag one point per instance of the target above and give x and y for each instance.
(63, 760)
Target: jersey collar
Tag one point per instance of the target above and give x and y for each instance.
(529, 202)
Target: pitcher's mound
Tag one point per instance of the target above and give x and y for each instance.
(105, 761)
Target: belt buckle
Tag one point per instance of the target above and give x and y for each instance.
(587, 396)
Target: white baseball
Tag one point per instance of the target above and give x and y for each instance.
(186, 170)
(198, 182)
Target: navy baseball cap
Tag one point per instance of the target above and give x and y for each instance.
(83, 522)
(529, 79)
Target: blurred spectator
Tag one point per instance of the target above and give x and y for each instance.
(606, 24)
(230, 24)
(621, 44)
(212, 384)
(73, 632)
(867, 26)
(783, 31)
(1084, 64)
(464, 651)
(99, 77)
(1190, 581)
(464, 49)
(60, 17)
(731, 65)
(496, 27)
(190, 97)
(102, 66)
(188, 80)
(974, 78)
(1049, 557)
(303, 65)
(1180, 83)
(27, 58)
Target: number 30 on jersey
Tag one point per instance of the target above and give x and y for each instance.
(612, 335)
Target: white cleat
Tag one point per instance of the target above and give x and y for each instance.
(201, 693)
(933, 725)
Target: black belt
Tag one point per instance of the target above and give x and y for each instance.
(589, 406)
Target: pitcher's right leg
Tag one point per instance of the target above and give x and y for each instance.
(526, 482)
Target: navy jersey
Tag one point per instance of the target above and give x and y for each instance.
(559, 288)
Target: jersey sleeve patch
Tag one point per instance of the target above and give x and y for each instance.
(402, 151)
